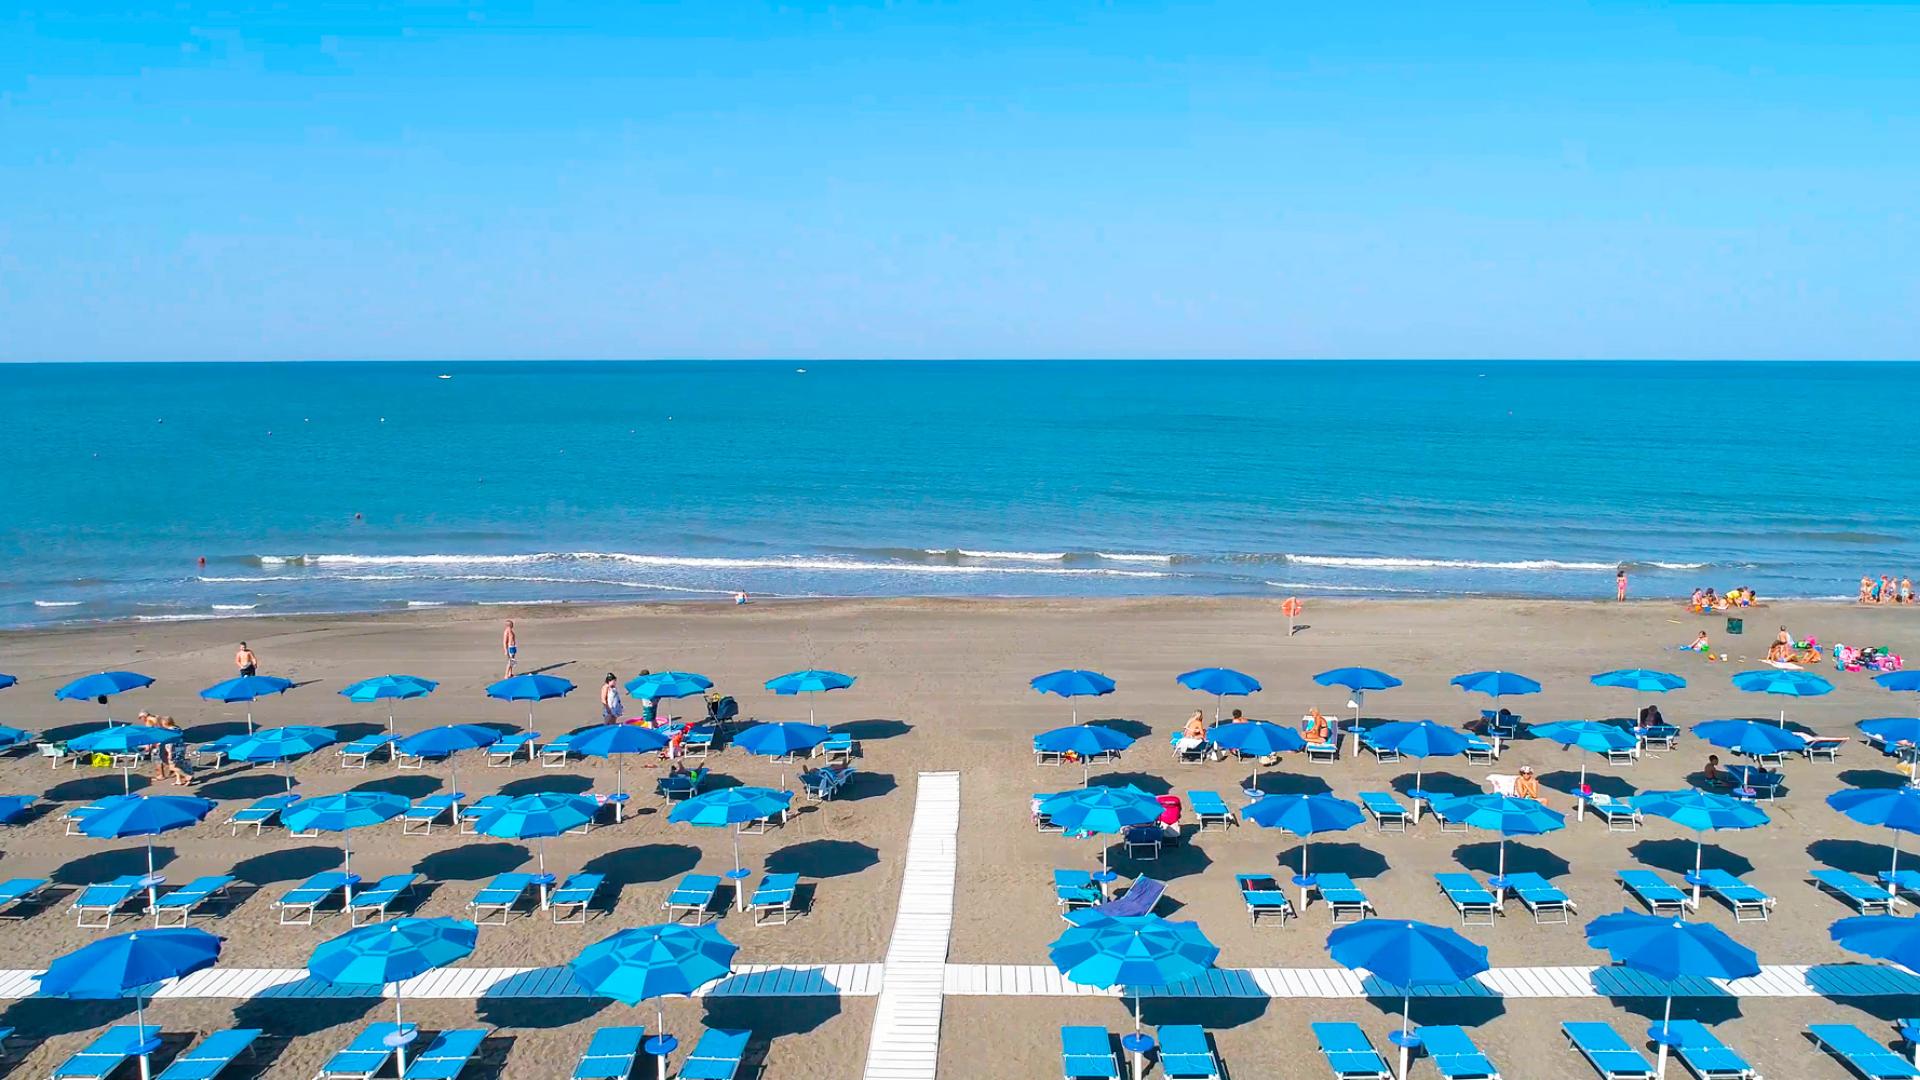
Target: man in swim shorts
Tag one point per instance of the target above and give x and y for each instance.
(510, 644)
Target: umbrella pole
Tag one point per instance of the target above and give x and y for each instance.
(1501, 896)
(1699, 846)
(249, 719)
(389, 720)
(543, 873)
(1580, 804)
(400, 1052)
(1666, 1028)
(1417, 793)
(1894, 870)
(453, 778)
(126, 779)
(529, 717)
(140, 1015)
(660, 1031)
(346, 868)
(153, 898)
(1303, 874)
(1406, 1020)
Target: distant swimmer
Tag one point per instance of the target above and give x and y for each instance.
(510, 644)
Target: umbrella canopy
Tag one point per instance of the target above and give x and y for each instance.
(1073, 682)
(144, 815)
(1668, 949)
(6, 681)
(1220, 682)
(616, 741)
(389, 687)
(12, 736)
(1897, 809)
(1883, 937)
(530, 688)
(1085, 740)
(1893, 730)
(1900, 680)
(668, 684)
(124, 739)
(1590, 735)
(781, 739)
(1703, 812)
(1639, 680)
(532, 817)
(104, 684)
(1134, 951)
(653, 961)
(392, 951)
(247, 688)
(110, 967)
(1788, 683)
(1750, 738)
(810, 681)
(1304, 815)
(1419, 739)
(1407, 955)
(1258, 738)
(1101, 809)
(344, 811)
(731, 806)
(1495, 684)
(1505, 815)
(447, 739)
(281, 743)
(1357, 679)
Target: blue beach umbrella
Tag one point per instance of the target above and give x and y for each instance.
(810, 681)
(145, 815)
(1257, 739)
(1749, 737)
(123, 740)
(1357, 680)
(616, 741)
(732, 807)
(1138, 952)
(444, 742)
(1506, 815)
(247, 688)
(6, 681)
(1894, 733)
(389, 688)
(1407, 955)
(342, 813)
(107, 969)
(537, 817)
(102, 686)
(1897, 809)
(1900, 680)
(1782, 683)
(1495, 684)
(781, 738)
(1087, 741)
(1669, 949)
(1304, 816)
(1073, 683)
(657, 685)
(1883, 937)
(1221, 683)
(1703, 812)
(655, 962)
(1101, 810)
(1639, 680)
(393, 952)
(11, 737)
(1419, 739)
(1591, 736)
(530, 688)
(275, 745)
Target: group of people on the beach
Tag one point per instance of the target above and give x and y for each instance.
(1705, 600)
(1885, 590)
(168, 761)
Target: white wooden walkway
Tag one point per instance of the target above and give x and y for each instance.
(905, 1044)
(747, 980)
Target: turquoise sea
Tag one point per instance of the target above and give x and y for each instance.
(368, 486)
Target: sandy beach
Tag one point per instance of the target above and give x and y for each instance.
(943, 686)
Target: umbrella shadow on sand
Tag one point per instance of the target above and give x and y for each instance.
(250, 785)
(1716, 1009)
(1467, 1012)
(407, 787)
(88, 788)
(1603, 783)
(562, 783)
(70, 731)
(794, 1016)
(283, 1011)
(1211, 1013)
(644, 864)
(823, 858)
(1872, 778)
(1676, 856)
(288, 864)
(503, 1005)
(473, 862)
(1336, 857)
(1437, 783)
(1857, 856)
(1285, 783)
(45, 1017)
(359, 729)
(872, 730)
(1132, 729)
(1484, 858)
(1147, 782)
(106, 865)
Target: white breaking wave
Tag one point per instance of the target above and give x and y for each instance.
(689, 562)
(1678, 565)
(1112, 556)
(56, 603)
(235, 607)
(1346, 588)
(248, 580)
(1010, 556)
(1356, 562)
(426, 603)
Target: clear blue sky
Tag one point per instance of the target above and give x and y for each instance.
(718, 179)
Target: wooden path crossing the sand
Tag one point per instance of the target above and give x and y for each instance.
(905, 1043)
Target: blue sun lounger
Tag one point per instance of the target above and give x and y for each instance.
(1706, 1055)
(1749, 903)
(213, 753)
(1211, 810)
(300, 903)
(1349, 1053)
(1086, 1053)
(773, 900)
(1454, 1055)
(262, 813)
(493, 905)
(447, 1056)
(1864, 896)
(15, 893)
(1901, 881)
(693, 896)
(358, 753)
(424, 814)
(1544, 900)
(1862, 1052)
(365, 1056)
(503, 752)
(1477, 906)
(1380, 753)
(554, 752)
(569, 902)
(1265, 898)
(1140, 898)
(78, 814)
(1185, 1055)
(375, 902)
(1661, 896)
(716, 1056)
(610, 1054)
(210, 1057)
(1076, 888)
(472, 812)
(106, 1053)
(1388, 814)
(1479, 751)
(1606, 1051)
(185, 901)
(1342, 897)
(1618, 814)
(106, 899)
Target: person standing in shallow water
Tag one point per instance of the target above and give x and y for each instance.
(1620, 585)
(510, 645)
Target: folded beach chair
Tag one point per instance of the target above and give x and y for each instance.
(569, 902)
(210, 1057)
(693, 896)
(1388, 814)
(300, 903)
(1143, 841)
(838, 747)
(1140, 898)
(261, 813)
(375, 903)
(106, 1053)
(14, 894)
(1864, 896)
(78, 814)
(357, 754)
(493, 905)
(213, 754)
(610, 1054)
(511, 746)
(447, 1056)
(1349, 1053)
(773, 900)
(1703, 1052)
(364, 1057)
(1477, 906)
(424, 814)
(1075, 888)
(1211, 810)
(106, 899)
(472, 812)
(716, 1056)
(1618, 814)
(1086, 1053)
(1380, 753)
(1542, 898)
(1265, 898)
(1661, 896)
(1749, 904)
(1454, 1055)
(1343, 898)
(185, 901)
(1861, 1052)
(1185, 1055)
(1606, 1051)
(553, 753)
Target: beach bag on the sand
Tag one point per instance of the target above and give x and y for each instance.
(100, 761)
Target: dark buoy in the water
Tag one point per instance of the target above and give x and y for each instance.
(356, 515)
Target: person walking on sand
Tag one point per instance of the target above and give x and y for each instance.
(1620, 585)
(244, 659)
(610, 706)
(510, 644)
